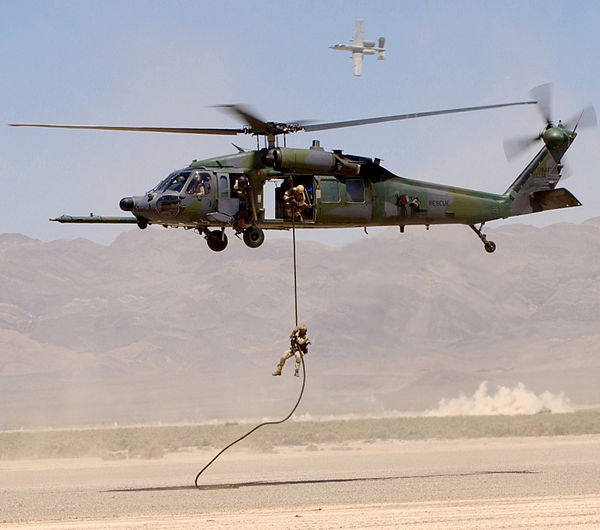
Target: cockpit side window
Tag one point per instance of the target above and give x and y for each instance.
(194, 186)
(205, 178)
(199, 184)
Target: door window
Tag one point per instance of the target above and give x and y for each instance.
(223, 186)
(330, 190)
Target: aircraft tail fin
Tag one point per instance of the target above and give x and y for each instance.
(381, 45)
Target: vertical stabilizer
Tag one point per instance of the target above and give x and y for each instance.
(535, 189)
(381, 46)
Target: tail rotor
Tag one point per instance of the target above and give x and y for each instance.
(553, 135)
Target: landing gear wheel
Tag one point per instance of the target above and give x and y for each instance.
(142, 224)
(489, 246)
(216, 240)
(254, 236)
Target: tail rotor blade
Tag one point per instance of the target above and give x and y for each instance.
(543, 95)
(515, 146)
(585, 119)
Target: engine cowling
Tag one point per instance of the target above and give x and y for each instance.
(310, 161)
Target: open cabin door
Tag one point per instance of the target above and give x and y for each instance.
(274, 190)
(270, 188)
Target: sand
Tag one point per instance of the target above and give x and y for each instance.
(537, 482)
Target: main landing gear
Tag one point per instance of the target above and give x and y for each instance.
(489, 246)
(254, 236)
(217, 239)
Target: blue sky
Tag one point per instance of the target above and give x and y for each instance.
(166, 63)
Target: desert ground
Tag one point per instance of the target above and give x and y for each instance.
(480, 482)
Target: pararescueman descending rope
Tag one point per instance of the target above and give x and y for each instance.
(298, 347)
(301, 345)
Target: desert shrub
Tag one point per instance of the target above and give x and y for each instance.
(155, 442)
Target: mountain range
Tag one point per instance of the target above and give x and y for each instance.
(155, 327)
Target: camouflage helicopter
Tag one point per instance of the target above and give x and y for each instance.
(250, 191)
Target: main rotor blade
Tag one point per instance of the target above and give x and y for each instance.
(352, 123)
(183, 130)
(257, 125)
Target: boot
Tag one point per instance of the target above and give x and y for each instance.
(277, 372)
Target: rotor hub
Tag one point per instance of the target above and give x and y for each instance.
(555, 137)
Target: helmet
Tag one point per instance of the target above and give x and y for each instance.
(302, 328)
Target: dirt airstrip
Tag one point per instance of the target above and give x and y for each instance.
(510, 482)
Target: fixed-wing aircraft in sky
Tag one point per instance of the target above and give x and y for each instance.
(359, 47)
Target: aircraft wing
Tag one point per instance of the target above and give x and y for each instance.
(357, 58)
(359, 33)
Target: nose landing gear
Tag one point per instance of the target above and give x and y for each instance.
(215, 239)
(489, 246)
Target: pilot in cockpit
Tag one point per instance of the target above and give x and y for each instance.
(197, 187)
(177, 183)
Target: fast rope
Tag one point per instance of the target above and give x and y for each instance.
(303, 370)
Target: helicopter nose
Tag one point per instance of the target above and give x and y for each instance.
(126, 204)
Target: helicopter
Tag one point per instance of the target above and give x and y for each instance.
(281, 188)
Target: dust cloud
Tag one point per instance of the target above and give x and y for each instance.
(507, 401)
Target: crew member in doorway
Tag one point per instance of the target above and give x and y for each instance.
(287, 184)
(409, 206)
(298, 346)
(296, 202)
(241, 186)
(242, 189)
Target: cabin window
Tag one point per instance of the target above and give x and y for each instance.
(355, 191)
(330, 190)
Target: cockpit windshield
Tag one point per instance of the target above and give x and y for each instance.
(178, 181)
(162, 184)
(199, 184)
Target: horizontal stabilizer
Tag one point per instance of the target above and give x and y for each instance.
(553, 200)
